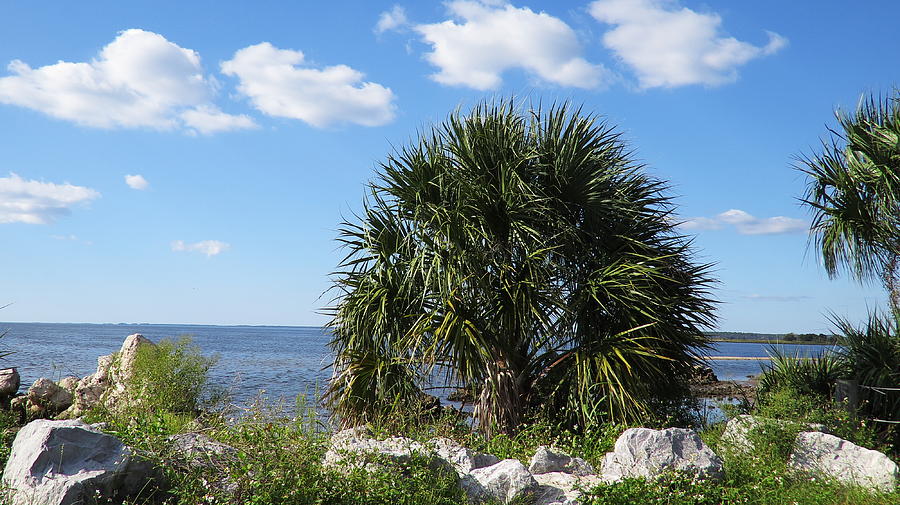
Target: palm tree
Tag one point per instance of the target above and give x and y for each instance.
(523, 254)
(854, 192)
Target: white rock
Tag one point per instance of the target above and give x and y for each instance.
(737, 435)
(356, 448)
(9, 382)
(463, 460)
(49, 396)
(124, 368)
(503, 481)
(561, 488)
(69, 383)
(546, 460)
(646, 453)
(69, 463)
(833, 457)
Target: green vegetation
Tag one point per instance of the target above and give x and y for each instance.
(853, 191)
(525, 254)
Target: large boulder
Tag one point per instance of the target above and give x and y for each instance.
(832, 457)
(561, 488)
(462, 459)
(503, 482)
(123, 369)
(546, 460)
(9, 382)
(72, 463)
(646, 453)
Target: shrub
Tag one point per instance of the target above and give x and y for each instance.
(173, 376)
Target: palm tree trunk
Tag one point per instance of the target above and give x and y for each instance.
(891, 276)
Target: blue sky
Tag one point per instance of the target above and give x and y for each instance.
(188, 162)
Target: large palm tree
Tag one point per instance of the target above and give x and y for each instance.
(522, 253)
(854, 192)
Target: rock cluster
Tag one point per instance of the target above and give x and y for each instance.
(71, 397)
(552, 477)
(819, 454)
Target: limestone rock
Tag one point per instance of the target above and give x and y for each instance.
(546, 460)
(123, 371)
(9, 382)
(737, 435)
(560, 488)
(833, 457)
(356, 448)
(46, 395)
(107, 384)
(69, 383)
(643, 452)
(503, 481)
(69, 463)
(463, 460)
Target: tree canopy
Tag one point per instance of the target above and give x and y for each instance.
(526, 255)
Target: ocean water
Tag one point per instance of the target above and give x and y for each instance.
(741, 370)
(283, 361)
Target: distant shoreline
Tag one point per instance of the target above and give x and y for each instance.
(771, 341)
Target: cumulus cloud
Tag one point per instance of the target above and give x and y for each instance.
(208, 247)
(391, 20)
(136, 181)
(746, 224)
(37, 202)
(139, 80)
(208, 119)
(279, 84)
(485, 39)
(668, 46)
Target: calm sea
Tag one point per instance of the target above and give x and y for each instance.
(282, 360)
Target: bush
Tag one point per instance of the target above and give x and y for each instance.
(173, 376)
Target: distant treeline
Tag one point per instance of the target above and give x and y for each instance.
(819, 338)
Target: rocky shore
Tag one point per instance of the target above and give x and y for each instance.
(89, 463)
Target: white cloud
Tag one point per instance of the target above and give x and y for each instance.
(208, 247)
(668, 46)
(208, 119)
(36, 202)
(391, 20)
(485, 40)
(278, 85)
(139, 80)
(746, 224)
(136, 181)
